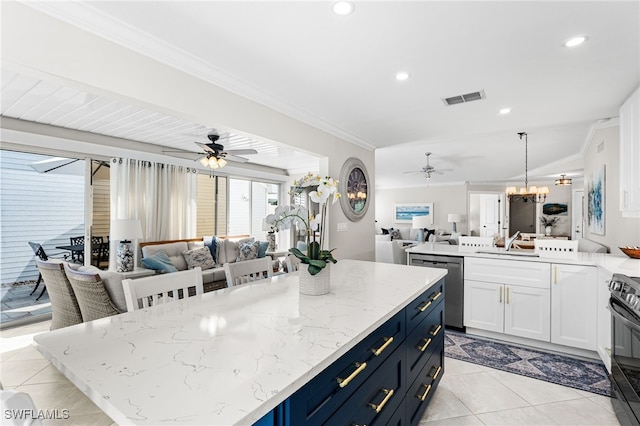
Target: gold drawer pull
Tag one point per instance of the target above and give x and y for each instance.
(426, 392)
(388, 394)
(424, 347)
(438, 294)
(345, 382)
(437, 330)
(387, 342)
(425, 306)
(438, 370)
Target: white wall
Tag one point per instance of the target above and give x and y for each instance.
(445, 199)
(619, 230)
(44, 47)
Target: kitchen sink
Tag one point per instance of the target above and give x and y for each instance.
(512, 252)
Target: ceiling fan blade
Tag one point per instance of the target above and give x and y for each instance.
(205, 147)
(235, 158)
(241, 151)
(414, 171)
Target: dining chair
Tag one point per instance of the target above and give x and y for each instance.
(247, 271)
(144, 292)
(65, 310)
(77, 256)
(293, 263)
(93, 298)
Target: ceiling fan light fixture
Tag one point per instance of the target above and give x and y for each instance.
(563, 180)
(204, 161)
(222, 162)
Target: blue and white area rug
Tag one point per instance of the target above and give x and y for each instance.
(588, 376)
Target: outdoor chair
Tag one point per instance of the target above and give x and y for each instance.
(65, 310)
(99, 252)
(39, 251)
(156, 289)
(77, 256)
(247, 271)
(93, 299)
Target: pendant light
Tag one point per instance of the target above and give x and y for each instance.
(528, 193)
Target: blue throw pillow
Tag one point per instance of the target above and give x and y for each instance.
(262, 248)
(212, 244)
(159, 262)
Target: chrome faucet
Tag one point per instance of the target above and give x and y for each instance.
(509, 242)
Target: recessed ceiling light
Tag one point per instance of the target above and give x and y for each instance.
(343, 7)
(575, 41)
(505, 111)
(402, 76)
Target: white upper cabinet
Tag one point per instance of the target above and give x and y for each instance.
(630, 156)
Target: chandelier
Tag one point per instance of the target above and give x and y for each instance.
(528, 193)
(563, 180)
(212, 161)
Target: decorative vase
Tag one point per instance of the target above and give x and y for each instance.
(124, 257)
(271, 240)
(314, 285)
(547, 230)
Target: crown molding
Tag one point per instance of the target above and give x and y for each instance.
(608, 122)
(92, 20)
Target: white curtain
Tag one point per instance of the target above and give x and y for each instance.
(161, 196)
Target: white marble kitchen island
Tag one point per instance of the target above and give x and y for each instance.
(230, 356)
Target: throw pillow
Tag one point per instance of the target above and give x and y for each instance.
(262, 248)
(395, 234)
(385, 231)
(212, 244)
(199, 257)
(159, 261)
(428, 233)
(248, 251)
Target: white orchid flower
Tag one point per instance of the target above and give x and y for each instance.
(319, 196)
(315, 222)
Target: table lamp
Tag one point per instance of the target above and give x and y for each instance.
(419, 223)
(453, 218)
(125, 230)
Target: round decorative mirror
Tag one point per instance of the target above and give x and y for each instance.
(354, 187)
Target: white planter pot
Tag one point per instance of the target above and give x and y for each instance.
(547, 230)
(314, 285)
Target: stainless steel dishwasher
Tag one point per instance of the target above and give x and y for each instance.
(453, 284)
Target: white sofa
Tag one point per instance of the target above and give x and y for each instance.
(228, 250)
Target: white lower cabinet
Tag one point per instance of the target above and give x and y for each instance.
(495, 300)
(573, 306)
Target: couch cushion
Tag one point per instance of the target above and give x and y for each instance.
(213, 274)
(247, 251)
(159, 261)
(195, 244)
(199, 257)
(173, 250)
(229, 250)
(112, 282)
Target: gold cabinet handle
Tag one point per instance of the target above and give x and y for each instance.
(358, 370)
(508, 288)
(424, 347)
(425, 306)
(555, 274)
(388, 394)
(437, 330)
(500, 294)
(438, 294)
(426, 392)
(387, 342)
(438, 370)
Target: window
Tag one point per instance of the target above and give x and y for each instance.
(249, 203)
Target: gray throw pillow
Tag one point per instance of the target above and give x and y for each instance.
(199, 257)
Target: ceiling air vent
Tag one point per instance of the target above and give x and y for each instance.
(468, 97)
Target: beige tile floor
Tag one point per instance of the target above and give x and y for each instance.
(468, 394)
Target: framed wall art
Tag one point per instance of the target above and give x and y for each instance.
(596, 201)
(404, 212)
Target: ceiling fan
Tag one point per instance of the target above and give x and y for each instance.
(215, 154)
(429, 170)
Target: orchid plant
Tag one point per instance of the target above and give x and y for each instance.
(316, 255)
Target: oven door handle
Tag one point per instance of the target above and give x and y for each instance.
(621, 317)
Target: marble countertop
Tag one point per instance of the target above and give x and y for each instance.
(228, 356)
(614, 263)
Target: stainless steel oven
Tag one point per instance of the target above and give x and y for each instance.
(624, 305)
